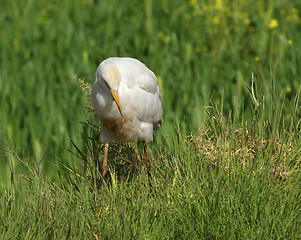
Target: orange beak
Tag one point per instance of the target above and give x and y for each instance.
(116, 99)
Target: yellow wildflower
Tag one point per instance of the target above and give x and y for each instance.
(273, 23)
(295, 11)
(162, 37)
(193, 3)
(256, 59)
(216, 20)
(246, 21)
(290, 42)
(197, 49)
(187, 16)
(288, 90)
(251, 29)
(287, 116)
(219, 4)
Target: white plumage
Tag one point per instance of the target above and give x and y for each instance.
(127, 101)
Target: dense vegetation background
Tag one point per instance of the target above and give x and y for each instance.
(204, 54)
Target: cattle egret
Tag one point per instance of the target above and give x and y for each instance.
(127, 101)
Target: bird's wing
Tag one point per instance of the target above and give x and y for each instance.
(136, 73)
(145, 105)
(147, 81)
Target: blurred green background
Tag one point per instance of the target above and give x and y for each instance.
(201, 51)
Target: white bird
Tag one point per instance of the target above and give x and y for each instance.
(127, 101)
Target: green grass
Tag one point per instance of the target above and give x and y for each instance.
(226, 162)
(221, 183)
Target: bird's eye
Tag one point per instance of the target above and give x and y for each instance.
(107, 84)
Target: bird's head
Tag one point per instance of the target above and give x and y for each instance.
(111, 78)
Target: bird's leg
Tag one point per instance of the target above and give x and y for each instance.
(105, 161)
(146, 157)
(147, 163)
(104, 165)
